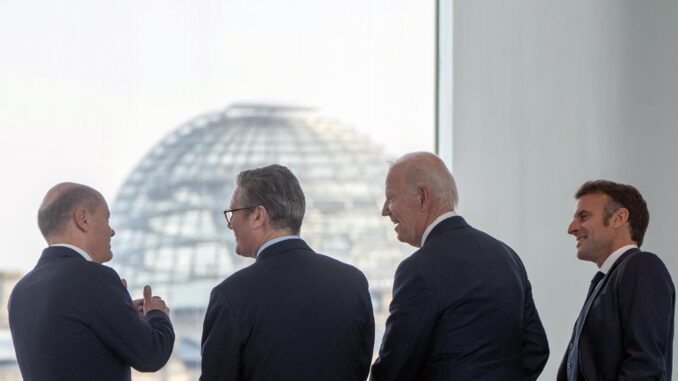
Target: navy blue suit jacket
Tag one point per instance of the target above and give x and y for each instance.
(292, 315)
(462, 309)
(628, 332)
(73, 320)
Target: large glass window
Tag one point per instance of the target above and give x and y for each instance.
(159, 104)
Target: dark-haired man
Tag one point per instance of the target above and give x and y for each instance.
(625, 329)
(72, 318)
(293, 314)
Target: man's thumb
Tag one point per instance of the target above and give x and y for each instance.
(148, 293)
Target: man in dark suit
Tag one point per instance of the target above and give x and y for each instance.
(462, 305)
(625, 329)
(72, 318)
(293, 314)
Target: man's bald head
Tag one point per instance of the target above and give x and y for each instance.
(426, 169)
(60, 203)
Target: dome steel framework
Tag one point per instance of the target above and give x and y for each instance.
(170, 229)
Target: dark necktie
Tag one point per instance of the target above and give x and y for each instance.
(594, 282)
(573, 355)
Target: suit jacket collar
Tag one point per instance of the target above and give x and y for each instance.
(282, 247)
(452, 223)
(53, 252)
(622, 258)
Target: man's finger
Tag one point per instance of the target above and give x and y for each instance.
(148, 293)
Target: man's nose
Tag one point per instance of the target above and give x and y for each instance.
(573, 228)
(384, 210)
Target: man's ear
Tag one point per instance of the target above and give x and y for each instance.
(424, 197)
(620, 217)
(81, 217)
(260, 217)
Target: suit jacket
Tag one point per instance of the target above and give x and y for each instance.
(72, 320)
(292, 315)
(628, 332)
(462, 309)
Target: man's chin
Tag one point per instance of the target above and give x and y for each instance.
(243, 253)
(105, 258)
(583, 255)
(407, 240)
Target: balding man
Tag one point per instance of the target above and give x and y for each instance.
(72, 318)
(462, 305)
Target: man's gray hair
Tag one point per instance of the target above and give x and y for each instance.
(277, 189)
(424, 168)
(59, 206)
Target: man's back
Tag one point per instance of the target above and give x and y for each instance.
(462, 309)
(293, 315)
(73, 320)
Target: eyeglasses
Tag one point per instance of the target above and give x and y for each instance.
(228, 213)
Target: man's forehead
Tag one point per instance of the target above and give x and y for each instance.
(394, 176)
(234, 196)
(591, 202)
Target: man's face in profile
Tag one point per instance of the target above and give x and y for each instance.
(401, 207)
(101, 233)
(592, 229)
(240, 224)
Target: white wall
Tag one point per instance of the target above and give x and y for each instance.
(547, 95)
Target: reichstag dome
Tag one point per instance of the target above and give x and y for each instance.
(171, 232)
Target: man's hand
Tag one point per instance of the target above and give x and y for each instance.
(138, 304)
(151, 302)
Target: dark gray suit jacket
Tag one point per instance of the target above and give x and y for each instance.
(628, 332)
(73, 320)
(462, 309)
(292, 315)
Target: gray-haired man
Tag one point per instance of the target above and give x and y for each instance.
(293, 314)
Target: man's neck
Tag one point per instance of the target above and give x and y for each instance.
(616, 245)
(273, 234)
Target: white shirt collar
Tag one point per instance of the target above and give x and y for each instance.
(276, 240)
(77, 250)
(433, 224)
(607, 265)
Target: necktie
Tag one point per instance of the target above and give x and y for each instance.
(594, 282)
(573, 355)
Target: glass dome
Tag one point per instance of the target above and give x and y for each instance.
(170, 229)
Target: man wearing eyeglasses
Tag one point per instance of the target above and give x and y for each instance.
(293, 314)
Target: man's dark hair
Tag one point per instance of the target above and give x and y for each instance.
(277, 189)
(621, 196)
(53, 216)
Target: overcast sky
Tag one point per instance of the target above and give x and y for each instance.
(88, 87)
